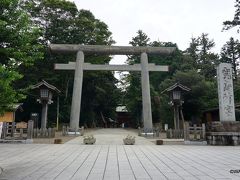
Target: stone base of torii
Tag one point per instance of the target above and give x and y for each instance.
(79, 66)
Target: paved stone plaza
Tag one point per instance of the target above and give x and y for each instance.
(116, 161)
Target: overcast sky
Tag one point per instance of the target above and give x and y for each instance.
(164, 20)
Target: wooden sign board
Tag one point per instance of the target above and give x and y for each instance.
(21, 125)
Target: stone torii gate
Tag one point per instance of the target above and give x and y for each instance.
(79, 66)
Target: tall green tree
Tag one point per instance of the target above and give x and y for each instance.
(8, 95)
(19, 38)
(61, 22)
(19, 45)
(230, 53)
(200, 50)
(207, 59)
(193, 51)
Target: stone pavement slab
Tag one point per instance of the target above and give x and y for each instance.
(122, 162)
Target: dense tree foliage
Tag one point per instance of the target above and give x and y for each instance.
(19, 37)
(19, 45)
(231, 54)
(8, 95)
(203, 58)
(60, 21)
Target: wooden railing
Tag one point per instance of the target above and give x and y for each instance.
(175, 133)
(44, 133)
(22, 131)
(194, 132)
(188, 133)
(13, 130)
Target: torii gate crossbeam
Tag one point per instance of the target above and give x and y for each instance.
(79, 66)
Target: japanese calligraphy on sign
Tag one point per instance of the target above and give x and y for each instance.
(225, 92)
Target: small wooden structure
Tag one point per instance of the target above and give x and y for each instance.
(211, 115)
(9, 116)
(123, 117)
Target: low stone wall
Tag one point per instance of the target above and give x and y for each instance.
(224, 126)
(223, 138)
(223, 133)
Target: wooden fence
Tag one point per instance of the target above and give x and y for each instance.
(188, 133)
(16, 131)
(44, 133)
(175, 134)
(22, 131)
(194, 132)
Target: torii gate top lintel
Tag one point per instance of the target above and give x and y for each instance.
(110, 50)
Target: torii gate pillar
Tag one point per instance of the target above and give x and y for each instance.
(77, 91)
(80, 66)
(146, 98)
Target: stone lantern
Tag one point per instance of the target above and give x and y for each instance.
(175, 93)
(45, 97)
